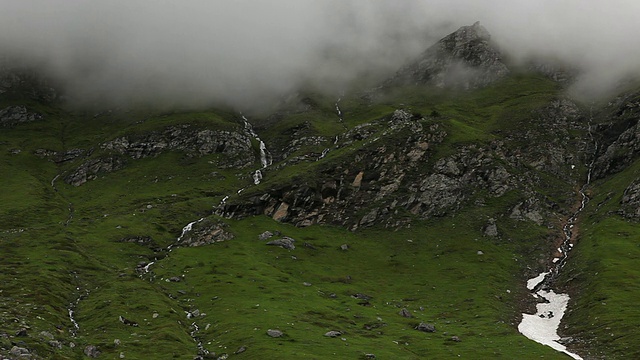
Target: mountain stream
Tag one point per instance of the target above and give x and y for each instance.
(542, 326)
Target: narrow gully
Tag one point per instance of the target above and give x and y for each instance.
(542, 326)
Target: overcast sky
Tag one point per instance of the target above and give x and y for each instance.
(248, 51)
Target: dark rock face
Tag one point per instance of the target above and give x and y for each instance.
(91, 168)
(630, 203)
(621, 137)
(464, 59)
(14, 115)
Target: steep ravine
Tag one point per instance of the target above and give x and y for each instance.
(542, 326)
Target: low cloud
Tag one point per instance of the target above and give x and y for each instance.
(248, 53)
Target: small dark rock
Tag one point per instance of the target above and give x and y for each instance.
(285, 243)
(361, 296)
(369, 356)
(175, 279)
(275, 333)
(265, 235)
(332, 333)
(91, 351)
(455, 339)
(127, 321)
(19, 351)
(21, 333)
(241, 350)
(405, 313)
(426, 327)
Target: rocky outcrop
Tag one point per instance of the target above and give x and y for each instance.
(59, 156)
(620, 136)
(14, 115)
(90, 169)
(236, 146)
(630, 203)
(205, 232)
(464, 59)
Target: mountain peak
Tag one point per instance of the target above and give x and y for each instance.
(463, 59)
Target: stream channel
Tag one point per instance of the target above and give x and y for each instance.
(542, 326)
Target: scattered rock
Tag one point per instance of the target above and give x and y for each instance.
(332, 333)
(241, 349)
(361, 296)
(275, 333)
(91, 351)
(55, 344)
(21, 333)
(175, 279)
(425, 327)
(405, 313)
(285, 243)
(344, 247)
(265, 235)
(491, 229)
(369, 356)
(20, 351)
(127, 321)
(455, 339)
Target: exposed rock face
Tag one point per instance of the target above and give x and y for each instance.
(621, 138)
(236, 146)
(14, 115)
(630, 203)
(464, 59)
(91, 168)
(195, 142)
(206, 232)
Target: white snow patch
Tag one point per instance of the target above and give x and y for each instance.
(542, 327)
(532, 283)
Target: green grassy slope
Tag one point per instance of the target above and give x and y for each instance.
(64, 243)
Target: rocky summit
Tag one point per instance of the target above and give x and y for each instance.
(402, 221)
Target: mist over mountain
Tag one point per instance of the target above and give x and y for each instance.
(248, 54)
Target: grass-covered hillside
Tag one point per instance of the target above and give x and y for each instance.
(413, 206)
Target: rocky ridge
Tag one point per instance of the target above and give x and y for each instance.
(465, 59)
